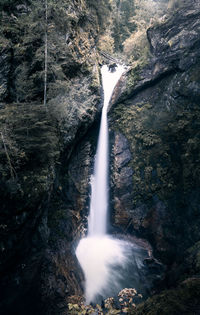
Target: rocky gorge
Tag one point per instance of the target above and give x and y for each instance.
(47, 154)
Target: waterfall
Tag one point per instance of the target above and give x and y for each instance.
(106, 262)
(97, 220)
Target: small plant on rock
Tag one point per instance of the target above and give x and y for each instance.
(122, 304)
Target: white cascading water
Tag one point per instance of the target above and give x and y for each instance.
(97, 220)
(104, 259)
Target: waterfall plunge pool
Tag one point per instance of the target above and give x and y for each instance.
(109, 264)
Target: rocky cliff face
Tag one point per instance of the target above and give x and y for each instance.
(41, 199)
(155, 141)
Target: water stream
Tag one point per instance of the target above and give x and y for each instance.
(97, 221)
(109, 264)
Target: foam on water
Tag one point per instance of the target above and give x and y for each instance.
(97, 256)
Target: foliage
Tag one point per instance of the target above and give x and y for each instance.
(8, 5)
(102, 9)
(29, 136)
(122, 25)
(71, 31)
(106, 43)
(146, 13)
(126, 299)
(136, 44)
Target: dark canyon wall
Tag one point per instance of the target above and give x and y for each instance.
(41, 198)
(155, 154)
(47, 155)
(156, 138)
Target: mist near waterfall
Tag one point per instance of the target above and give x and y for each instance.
(109, 264)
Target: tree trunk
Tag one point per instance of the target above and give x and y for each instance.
(45, 54)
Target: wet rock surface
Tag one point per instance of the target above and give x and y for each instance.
(121, 181)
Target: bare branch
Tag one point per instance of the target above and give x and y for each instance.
(12, 170)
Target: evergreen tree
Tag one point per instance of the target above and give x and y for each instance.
(122, 23)
(63, 29)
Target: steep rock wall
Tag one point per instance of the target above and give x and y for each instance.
(158, 114)
(40, 209)
(155, 156)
